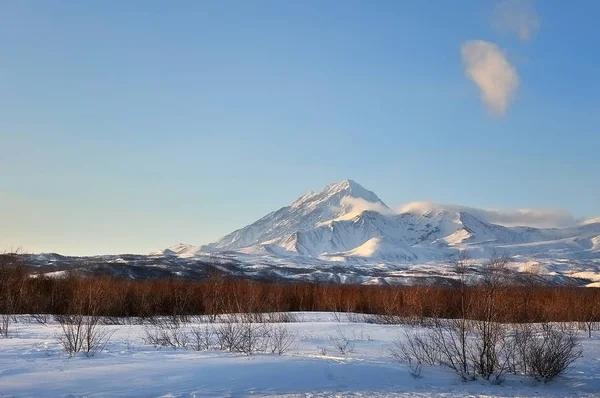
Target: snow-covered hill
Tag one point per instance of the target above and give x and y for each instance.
(180, 249)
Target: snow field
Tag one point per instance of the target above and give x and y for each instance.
(33, 364)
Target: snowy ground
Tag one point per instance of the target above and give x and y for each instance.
(33, 364)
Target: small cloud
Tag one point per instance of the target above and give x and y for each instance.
(537, 218)
(419, 207)
(487, 67)
(358, 205)
(516, 16)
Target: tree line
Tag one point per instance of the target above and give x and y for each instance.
(517, 299)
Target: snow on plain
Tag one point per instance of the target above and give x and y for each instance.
(32, 364)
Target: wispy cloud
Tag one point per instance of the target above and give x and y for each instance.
(486, 65)
(539, 218)
(516, 16)
(358, 205)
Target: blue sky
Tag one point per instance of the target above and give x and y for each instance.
(130, 126)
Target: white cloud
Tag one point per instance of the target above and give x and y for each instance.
(358, 205)
(487, 66)
(516, 16)
(538, 218)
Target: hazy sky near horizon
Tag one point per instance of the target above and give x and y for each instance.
(130, 126)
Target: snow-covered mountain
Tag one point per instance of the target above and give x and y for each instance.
(309, 212)
(347, 224)
(347, 220)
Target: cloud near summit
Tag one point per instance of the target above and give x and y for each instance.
(358, 205)
(538, 218)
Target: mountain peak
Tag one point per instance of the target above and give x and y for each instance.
(351, 188)
(344, 184)
(342, 195)
(306, 213)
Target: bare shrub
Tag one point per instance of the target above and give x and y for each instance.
(228, 336)
(354, 317)
(249, 317)
(341, 343)
(521, 335)
(383, 319)
(82, 333)
(260, 317)
(4, 324)
(589, 326)
(244, 337)
(415, 350)
(360, 334)
(451, 340)
(337, 316)
(491, 350)
(280, 340)
(95, 338)
(42, 319)
(281, 317)
(478, 344)
(13, 278)
(72, 330)
(551, 352)
(244, 334)
(542, 351)
(81, 327)
(202, 338)
(115, 320)
(166, 332)
(444, 345)
(253, 338)
(475, 343)
(591, 316)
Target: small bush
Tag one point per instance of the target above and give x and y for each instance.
(42, 319)
(280, 340)
(341, 343)
(244, 337)
(4, 324)
(541, 351)
(202, 338)
(281, 317)
(253, 338)
(228, 336)
(82, 333)
(166, 332)
(550, 354)
(415, 349)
